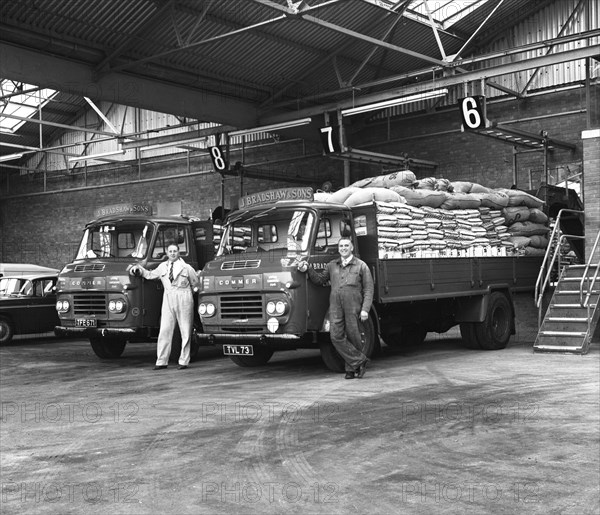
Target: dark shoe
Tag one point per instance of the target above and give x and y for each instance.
(159, 367)
(349, 375)
(182, 367)
(362, 369)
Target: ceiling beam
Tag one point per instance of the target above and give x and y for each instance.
(456, 66)
(442, 82)
(348, 32)
(29, 66)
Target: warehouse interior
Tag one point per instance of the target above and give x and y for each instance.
(195, 107)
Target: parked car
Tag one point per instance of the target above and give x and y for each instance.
(27, 305)
(13, 269)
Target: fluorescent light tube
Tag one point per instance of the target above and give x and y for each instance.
(96, 156)
(274, 127)
(11, 157)
(395, 101)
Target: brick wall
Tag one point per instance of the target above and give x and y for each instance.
(591, 155)
(466, 156)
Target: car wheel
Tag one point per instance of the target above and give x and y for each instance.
(6, 330)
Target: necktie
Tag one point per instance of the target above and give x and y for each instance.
(171, 272)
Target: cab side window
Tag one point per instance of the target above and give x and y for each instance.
(167, 235)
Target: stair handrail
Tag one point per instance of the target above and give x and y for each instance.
(546, 270)
(584, 302)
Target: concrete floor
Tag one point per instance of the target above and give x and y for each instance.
(435, 429)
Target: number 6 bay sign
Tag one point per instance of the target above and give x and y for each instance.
(473, 112)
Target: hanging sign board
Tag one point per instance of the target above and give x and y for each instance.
(269, 196)
(472, 112)
(330, 138)
(218, 159)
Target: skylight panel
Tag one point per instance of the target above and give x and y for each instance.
(19, 99)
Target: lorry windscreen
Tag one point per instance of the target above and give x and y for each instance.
(115, 240)
(287, 230)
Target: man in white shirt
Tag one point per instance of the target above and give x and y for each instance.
(178, 279)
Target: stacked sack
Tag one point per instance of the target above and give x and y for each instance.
(439, 218)
(217, 235)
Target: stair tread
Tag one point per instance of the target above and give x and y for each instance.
(558, 347)
(562, 333)
(567, 319)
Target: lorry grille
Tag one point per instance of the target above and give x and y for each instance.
(241, 306)
(97, 267)
(89, 304)
(239, 265)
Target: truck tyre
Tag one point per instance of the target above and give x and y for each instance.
(334, 362)
(467, 332)
(6, 330)
(494, 332)
(261, 357)
(108, 348)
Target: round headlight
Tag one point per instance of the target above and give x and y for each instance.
(62, 306)
(271, 307)
(202, 309)
(210, 309)
(119, 306)
(280, 307)
(112, 305)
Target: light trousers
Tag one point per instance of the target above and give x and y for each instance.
(177, 309)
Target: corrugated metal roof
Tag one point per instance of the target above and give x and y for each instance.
(262, 55)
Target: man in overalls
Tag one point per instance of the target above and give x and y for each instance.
(350, 300)
(178, 279)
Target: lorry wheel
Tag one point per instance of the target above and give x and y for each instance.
(494, 332)
(261, 357)
(6, 330)
(334, 362)
(108, 348)
(467, 332)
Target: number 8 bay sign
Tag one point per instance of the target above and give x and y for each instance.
(473, 112)
(218, 159)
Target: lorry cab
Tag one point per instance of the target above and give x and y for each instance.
(96, 295)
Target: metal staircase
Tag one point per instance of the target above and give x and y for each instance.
(573, 312)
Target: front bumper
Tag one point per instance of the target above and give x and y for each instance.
(101, 332)
(268, 340)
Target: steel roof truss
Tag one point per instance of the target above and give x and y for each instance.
(434, 28)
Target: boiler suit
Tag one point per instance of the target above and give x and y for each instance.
(351, 292)
(177, 308)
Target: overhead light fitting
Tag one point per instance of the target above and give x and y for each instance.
(96, 156)
(168, 144)
(274, 127)
(395, 102)
(11, 157)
